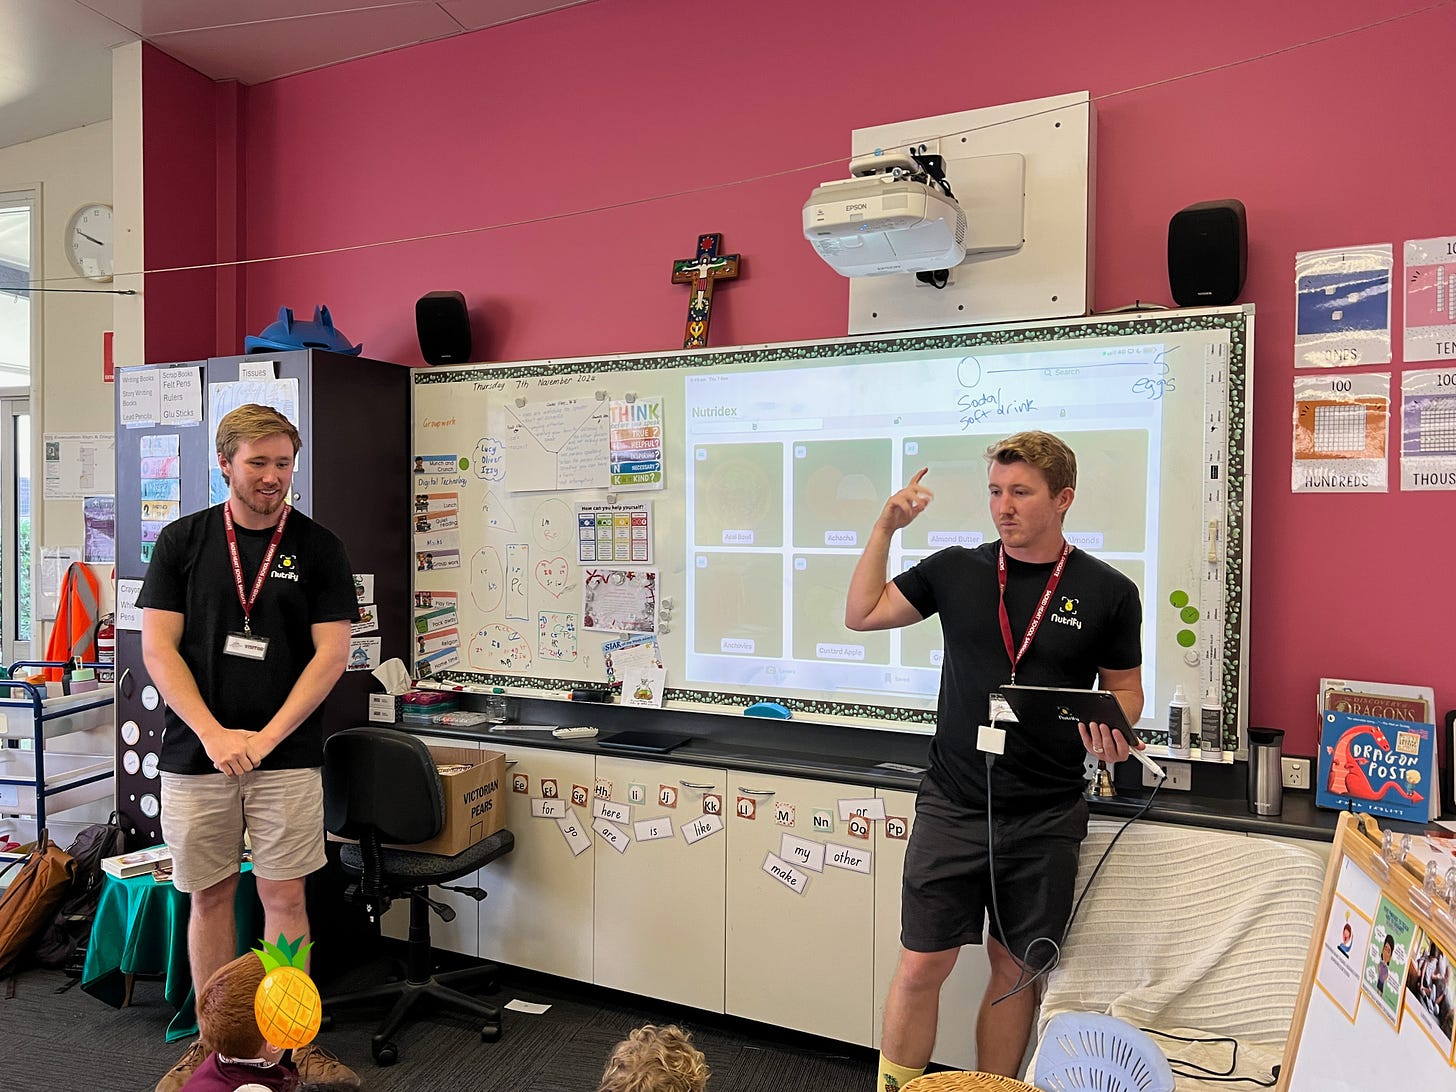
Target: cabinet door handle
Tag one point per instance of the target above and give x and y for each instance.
(756, 792)
(700, 788)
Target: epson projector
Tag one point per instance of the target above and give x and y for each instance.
(883, 224)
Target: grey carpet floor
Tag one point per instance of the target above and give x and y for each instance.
(71, 1042)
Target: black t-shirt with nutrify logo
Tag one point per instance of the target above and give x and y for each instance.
(1094, 621)
(310, 581)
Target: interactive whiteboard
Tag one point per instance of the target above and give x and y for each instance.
(580, 520)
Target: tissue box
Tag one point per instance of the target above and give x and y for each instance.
(475, 803)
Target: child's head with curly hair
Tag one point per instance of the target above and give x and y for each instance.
(225, 1010)
(656, 1059)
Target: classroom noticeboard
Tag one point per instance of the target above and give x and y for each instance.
(1376, 1007)
(698, 514)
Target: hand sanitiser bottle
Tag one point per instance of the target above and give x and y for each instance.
(1180, 724)
(1210, 724)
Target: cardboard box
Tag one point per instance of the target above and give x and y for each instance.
(475, 799)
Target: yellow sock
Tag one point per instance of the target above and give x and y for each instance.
(894, 1077)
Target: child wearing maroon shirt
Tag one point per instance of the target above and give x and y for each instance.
(240, 1059)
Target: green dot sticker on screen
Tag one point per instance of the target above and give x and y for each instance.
(1179, 599)
(1189, 615)
(464, 463)
(1187, 638)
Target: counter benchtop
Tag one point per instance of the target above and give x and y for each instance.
(1219, 810)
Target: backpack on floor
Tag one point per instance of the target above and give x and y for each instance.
(69, 929)
(29, 904)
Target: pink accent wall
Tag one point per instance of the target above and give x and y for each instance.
(228, 102)
(180, 211)
(620, 102)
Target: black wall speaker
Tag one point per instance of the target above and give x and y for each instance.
(1208, 253)
(444, 327)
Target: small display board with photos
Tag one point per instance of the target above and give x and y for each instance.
(1379, 998)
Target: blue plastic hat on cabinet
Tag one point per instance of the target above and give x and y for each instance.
(286, 334)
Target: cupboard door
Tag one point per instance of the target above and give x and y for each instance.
(960, 997)
(660, 900)
(799, 956)
(539, 913)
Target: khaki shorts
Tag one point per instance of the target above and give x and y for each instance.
(204, 816)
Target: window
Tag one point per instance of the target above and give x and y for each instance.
(17, 350)
(15, 300)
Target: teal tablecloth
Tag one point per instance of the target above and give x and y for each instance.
(141, 928)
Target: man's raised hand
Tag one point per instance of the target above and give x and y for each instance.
(908, 503)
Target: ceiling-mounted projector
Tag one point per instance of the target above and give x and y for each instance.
(896, 216)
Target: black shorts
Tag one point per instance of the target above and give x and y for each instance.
(946, 891)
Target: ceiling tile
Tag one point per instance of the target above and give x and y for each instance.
(256, 52)
(149, 17)
(475, 14)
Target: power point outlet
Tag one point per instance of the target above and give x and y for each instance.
(1295, 772)
(1180, 775)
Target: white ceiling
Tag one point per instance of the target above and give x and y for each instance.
(55, 55)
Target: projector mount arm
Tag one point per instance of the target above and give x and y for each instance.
(913, 163)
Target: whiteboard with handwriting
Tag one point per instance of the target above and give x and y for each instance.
(589, 520)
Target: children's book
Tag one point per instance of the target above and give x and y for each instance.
(1384, 767)
(135, 863)
(1394, 701)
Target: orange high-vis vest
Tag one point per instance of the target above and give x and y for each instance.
(74, 633)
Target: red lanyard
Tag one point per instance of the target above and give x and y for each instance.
(233, 555)
(1013, 653)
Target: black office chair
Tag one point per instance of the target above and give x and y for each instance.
(382, 785)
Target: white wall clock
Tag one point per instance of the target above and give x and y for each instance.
(90, 241)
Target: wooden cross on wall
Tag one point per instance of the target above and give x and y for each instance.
(701, 271)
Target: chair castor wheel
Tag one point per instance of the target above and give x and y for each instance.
(490, 1033)
(385, 1052)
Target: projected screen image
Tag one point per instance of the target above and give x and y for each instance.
(776, 461)
(787, 470)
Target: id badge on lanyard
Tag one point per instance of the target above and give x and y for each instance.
(248, 645)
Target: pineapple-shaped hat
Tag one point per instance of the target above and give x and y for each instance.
(287, 1004)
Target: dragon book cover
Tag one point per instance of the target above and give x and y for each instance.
(1372, 764)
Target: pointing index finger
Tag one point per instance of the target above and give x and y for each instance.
(919, 474)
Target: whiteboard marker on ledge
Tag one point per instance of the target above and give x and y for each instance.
(591, 693)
